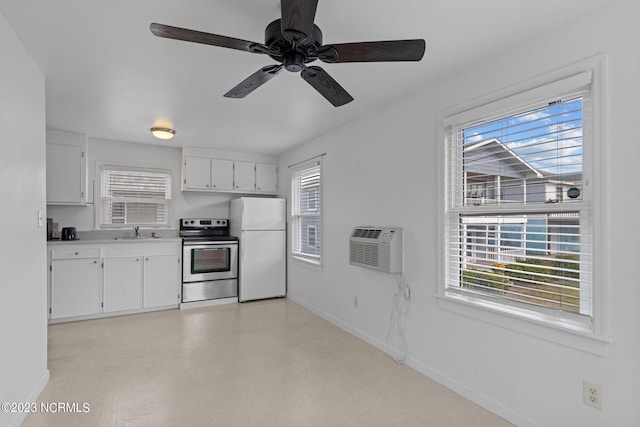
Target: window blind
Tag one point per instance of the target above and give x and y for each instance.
(518, 221)
(529, 157)
(305, 213)
(135, 197)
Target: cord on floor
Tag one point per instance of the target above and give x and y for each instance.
(399, 311)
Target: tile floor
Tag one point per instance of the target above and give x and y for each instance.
(265, 363)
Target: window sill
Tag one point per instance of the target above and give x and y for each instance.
(307, 263)
(530, 323)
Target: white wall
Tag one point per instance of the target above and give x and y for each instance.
(383, 170)
(185, 204)
(23, 275)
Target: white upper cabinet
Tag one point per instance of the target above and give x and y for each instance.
(206, 170)
(244, 176)
(266, 178)
(197, 173)
(221, 175)
(66, 168)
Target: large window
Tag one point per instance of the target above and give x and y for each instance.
(134, 197)
(305, 212)
(519, 199)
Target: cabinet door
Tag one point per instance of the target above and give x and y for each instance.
(122, 283)
(266, 178)
(221, 174)
(161, 280)
(244, 176)
(65, 174)
(197, 173)
(75, 287)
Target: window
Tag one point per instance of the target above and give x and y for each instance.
(519, 204)
(312, 199)
(305, 212)
(311, 236)
(134, 197)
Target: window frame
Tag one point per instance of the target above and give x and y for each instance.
(99, 220)
(591, 336)
(300, 210)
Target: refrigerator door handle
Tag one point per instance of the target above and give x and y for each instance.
(242, 252)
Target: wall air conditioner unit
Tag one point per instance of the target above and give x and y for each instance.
(378, 248)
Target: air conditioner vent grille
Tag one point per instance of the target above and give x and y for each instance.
(363, 253)
(366, 233)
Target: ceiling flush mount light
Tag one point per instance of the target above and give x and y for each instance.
(163, 133)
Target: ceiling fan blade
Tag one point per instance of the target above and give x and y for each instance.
(326, 85)
(297, 19)
(254, 81)
(382, 51)
(187, 35)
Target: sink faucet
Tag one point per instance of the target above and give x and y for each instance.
(137, 230)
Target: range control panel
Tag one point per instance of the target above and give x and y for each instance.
(203, 223)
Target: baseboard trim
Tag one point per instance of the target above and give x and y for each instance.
(342, 325)
(437, 376)
(477, 398)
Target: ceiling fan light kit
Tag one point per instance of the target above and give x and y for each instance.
(163, 133)
(295, 41)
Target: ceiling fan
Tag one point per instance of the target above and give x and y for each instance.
(295, 41)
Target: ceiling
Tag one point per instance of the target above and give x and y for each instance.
(107, 76)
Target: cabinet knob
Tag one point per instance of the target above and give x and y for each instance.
(137, 259)
(206, 185)
(76, 253)
(146, 259)
(95, 262)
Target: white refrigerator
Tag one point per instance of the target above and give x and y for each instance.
(260, 225)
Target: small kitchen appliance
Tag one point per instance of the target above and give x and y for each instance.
(49, 229)
(209, 260)
(68, 233)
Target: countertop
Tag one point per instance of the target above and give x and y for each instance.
(102, 237)
(111, 240)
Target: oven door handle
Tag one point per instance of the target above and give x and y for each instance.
(200, 245)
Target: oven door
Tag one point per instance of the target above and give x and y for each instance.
(209, 261)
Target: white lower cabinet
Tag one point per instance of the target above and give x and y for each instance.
(160, 273)
(141, 275)
(114, 278)
(76, 288)
(122, 283)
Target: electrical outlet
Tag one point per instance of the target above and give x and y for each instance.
(355, 302)
(592, 395)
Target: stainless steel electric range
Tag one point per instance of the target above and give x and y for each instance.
(209, 260)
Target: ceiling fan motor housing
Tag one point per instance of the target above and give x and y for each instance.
(292, 57)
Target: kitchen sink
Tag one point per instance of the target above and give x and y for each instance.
(137, 238)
